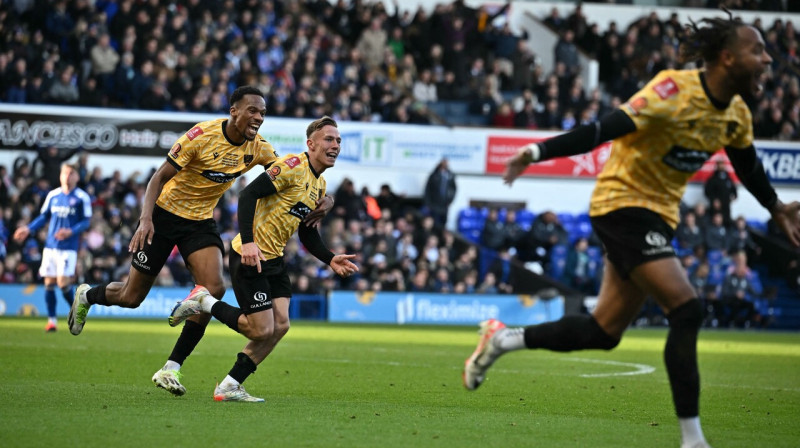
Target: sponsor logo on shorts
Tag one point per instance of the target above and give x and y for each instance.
(659, 243)
(262, 300)
(140, 260)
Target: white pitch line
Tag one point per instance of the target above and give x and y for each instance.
(641, 369)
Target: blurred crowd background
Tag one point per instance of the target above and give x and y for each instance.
(355, 60)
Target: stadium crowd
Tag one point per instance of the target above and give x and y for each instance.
(398, 248)
(356, 60)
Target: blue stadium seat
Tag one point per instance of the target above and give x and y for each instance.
(760, 226)
(714, 257)
(525, 216)
(558, 261)
(566, 218)
(595, 253)
(583, 229)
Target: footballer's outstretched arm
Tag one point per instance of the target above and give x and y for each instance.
(312, 241)
(580, 140)
(752, 175)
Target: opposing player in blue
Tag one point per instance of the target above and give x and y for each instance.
(68, 210)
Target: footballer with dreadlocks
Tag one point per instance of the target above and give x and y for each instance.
(660, 137)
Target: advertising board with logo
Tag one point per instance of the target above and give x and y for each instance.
(441, 309)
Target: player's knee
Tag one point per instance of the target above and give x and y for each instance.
(687, 315)
(281, 328)
(217, 290)
(599, 338)
(262, 334)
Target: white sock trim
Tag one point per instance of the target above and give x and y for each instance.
(171, 365)
(207, 302)
(691, 432)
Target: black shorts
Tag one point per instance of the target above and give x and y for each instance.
(169, 231)
(255, 291)
(632, 236)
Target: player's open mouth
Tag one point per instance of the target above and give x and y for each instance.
(254, 128)
(332, 156)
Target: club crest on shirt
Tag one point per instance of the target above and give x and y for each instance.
(731, 129)
(273, 172)
(666, 88)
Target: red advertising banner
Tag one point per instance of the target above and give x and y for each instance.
(589, 165)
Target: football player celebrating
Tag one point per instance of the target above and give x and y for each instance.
(270, 210)
(661, 136)
(178, 211)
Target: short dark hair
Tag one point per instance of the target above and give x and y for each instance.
(707, 43)
(316, 125)
(240, 92)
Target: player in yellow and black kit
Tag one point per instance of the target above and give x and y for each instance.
(661, 136)
(270, 210)
(177, 211)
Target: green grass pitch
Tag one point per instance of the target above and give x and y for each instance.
(332, 385)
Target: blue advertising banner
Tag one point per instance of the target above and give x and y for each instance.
(781, 164)
(28, 300)
(441, 309)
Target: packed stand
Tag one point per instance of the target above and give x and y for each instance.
(398, 248)
(361, 61)
(717, 256)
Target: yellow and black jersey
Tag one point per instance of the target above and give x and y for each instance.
(207, 164)
(678, 128)
(279, 215)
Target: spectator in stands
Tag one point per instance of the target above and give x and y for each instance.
(566, 52)
(440, 190)
(579, 269)
(348, 203)
(49, 161)
(720, 186)
(547, 231)
(716, 235)
(513, 233)
(740, 239)
(500, 267)
(64, 91)
(736, 294)
(688, 233)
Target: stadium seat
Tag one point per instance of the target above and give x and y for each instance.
(565, 218)
(755, 224)
(714, 257)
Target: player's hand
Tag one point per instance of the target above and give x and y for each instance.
(324, 205)
(342, 265)
(144, 233)
(63, 233)
(787, 217)
(21, 233)
(516, 165)
(252, 255)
